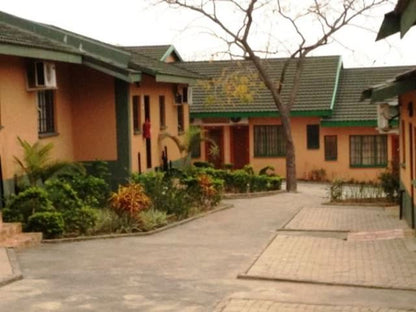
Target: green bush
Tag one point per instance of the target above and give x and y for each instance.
(50, 223)
(390, 184)
(80, 220)
(108, 221)
(259, 183)
(93, 191)
(335, 190)
(166, 193)
(203, 164)
(240, 181)
(20, 207)
(152, 219)
(274, 183)
(62, 195)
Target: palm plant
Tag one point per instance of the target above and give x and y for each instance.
(192, 139)
(37, 166)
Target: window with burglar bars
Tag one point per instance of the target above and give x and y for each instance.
(331, 147)
(368, 150)
(136, 114)
(46, 114)
(181, 121)
(162, 112)
(269, 141)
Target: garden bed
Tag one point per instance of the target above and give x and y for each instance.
(132, 234)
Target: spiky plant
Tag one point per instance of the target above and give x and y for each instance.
(37, 164)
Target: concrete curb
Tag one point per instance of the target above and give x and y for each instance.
(14, 264)
(276, 279)
(161, 229)
(251, 195)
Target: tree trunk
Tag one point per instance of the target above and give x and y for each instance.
(291, 182)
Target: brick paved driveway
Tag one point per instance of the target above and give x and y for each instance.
(256, 305)
(379, 263)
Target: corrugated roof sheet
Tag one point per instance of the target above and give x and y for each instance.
(154, 51)
(316, 89)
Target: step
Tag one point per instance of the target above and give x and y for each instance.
(22, 240)
(10, 229)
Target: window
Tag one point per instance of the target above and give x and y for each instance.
(46, 116)
(312, 133)
(181, 124)
(368, 150)
(331, 147)
(269, 141)
(162, 112)
(136, 114)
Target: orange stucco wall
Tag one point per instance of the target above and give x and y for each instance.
(93, 111)
(309, 160)
(149, 87)
(17, 110)
(84, 114)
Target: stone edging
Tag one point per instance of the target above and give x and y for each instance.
(251, 195)
(14, 264)
(158, 230)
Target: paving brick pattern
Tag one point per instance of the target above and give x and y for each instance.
(380, 263)
(344, 219)
(256, 305)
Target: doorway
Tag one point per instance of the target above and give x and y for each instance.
(216, 134)
(240, 149)
(146, 132)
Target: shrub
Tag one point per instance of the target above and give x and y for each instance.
(62, 195)
(167, 193)
(152, 219)
(80, 220)
(203, 164)
(50, 223)
(335, 190)
(239, 181)
(108, 221)
(390, 184)
(130, 199)
(93, 191)
(274, 183)
(22, 206)
(268, 171)
(259, 183)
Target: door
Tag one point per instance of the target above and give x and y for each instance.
(216, 135)
(240, 151)
(146, 132)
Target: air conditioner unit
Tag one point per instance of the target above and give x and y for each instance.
(385, 113)
(41, 75)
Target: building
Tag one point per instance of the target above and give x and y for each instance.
(92, 100)
(335, 135)
(403, 86)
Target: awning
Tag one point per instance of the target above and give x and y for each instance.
(402, 84)
(400, 20)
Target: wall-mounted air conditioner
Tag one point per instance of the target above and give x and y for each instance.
(41, 75)
(385, 113)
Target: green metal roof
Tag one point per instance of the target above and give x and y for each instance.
(158, 52)
(349, 108)
(315, 97)
(401, 19)
(31, 39)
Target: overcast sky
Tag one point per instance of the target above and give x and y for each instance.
(137, 22)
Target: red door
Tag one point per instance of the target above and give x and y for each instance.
(216, 135)
(240, 151)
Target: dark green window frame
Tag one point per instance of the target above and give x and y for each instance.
(312, 134)
(368, 151)
(331, 147)
(269, 141)
(136, 114)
